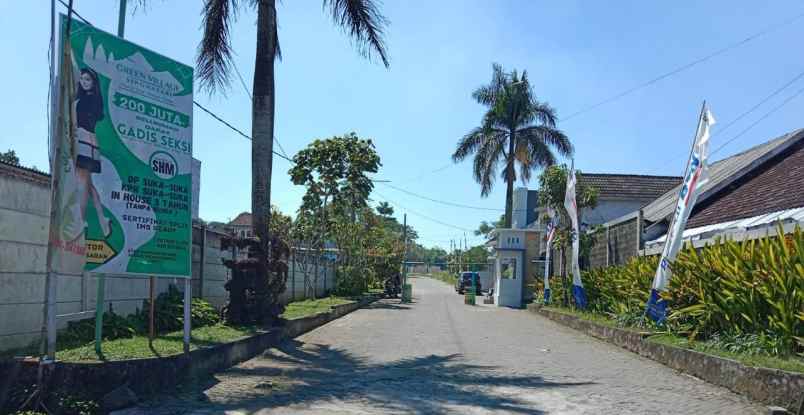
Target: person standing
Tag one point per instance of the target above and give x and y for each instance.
(88, 111)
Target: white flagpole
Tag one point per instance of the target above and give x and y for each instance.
(551, 229)
(572, 209)
(694, 178)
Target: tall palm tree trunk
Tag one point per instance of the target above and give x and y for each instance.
(262, 124)
(509, 180)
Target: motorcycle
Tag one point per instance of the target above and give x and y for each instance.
(393, 287)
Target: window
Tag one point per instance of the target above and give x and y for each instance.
(508, 268)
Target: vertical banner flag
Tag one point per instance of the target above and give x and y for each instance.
(572, 209)
(694, 177)
(66, 244)
(551, 232)
(124, 158)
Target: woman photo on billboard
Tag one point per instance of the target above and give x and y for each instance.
(88, 111)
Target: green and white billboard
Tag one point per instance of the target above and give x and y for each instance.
(125, 193)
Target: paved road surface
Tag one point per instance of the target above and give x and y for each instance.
(440, 356)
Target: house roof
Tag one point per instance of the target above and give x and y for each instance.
(757, 224)
(629, 186)
(722, 173)
(24, 173)
(243, 219)
(775, 185)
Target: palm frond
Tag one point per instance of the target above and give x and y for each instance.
(487, 94)
(468, 144)
(487, 160)
(215, 51)
(550, 136)
(363, 22)
(543, 113)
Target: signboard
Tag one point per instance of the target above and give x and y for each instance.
(126, 165)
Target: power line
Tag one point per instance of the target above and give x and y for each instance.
(442, 201)
(663, 76)
(763, 117)
(425, 216)
(251, 97)
(235, 129)
(684, 67)
(756, 106)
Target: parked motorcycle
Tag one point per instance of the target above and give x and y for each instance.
(393, 286)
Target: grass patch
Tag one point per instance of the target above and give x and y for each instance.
(305, 308)
(164, 345)
(792, 364)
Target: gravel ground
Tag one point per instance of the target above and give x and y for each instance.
(438, 355)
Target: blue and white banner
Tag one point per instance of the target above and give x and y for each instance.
(572, 211)
(551, 232)
(694, 177)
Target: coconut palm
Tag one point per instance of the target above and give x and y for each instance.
(517, 129)
(360, 19)
(385, 209)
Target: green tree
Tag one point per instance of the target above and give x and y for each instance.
(516, 129)
(281, 224)
(552, 189)
(485, 228)
(334, 171)
(10, 157)
(360, 19)
(385, 209)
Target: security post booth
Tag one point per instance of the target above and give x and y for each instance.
(509, 261)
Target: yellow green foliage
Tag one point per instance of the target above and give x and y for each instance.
(747, 287)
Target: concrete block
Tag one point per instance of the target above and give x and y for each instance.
(23, 227)
(21, 287)
(22, 257)
(24, 196)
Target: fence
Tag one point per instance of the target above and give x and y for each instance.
(24, 218)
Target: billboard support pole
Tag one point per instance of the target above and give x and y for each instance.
(188, 299)
(152, 308)
(99, 313)
(121, 19)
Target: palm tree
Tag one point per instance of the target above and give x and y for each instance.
(360, 19)
(385, 209)
(516, 129)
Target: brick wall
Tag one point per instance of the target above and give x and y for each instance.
(615, 244)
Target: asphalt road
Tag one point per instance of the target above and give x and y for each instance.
(438, 355)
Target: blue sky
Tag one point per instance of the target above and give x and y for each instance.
(577, 53)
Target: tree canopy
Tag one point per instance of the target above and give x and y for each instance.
(516, 130)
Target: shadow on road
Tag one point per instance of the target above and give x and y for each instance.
(386, 305)
(308, 373)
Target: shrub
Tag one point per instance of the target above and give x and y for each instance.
(752, 286)
(168, 316)
(749, 292)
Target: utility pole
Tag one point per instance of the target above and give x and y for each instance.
(121, 19)
(405, 257)
(465, 247)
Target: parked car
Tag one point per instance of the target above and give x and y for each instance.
(464, 282)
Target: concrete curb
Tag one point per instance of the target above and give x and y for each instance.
(152, 375)
(768, 386)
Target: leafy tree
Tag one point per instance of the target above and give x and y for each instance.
(334, 207)
(281, 224)
(485, 228)
(10, 157)
(517, 129)
(553, 185)
(360, 19)
(385, 209)
(335, 172)
(552, 189)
